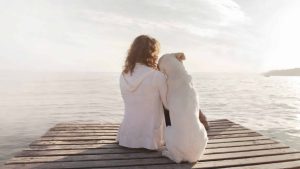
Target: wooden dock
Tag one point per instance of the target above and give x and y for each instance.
(93, 145)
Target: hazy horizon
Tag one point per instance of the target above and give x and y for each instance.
(245, 36)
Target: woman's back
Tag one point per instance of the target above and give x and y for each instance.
(143, 93)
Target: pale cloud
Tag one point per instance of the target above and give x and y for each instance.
(92, 35)
(200, 17)
(230, 11)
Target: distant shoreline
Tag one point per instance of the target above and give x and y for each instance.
(285, 72)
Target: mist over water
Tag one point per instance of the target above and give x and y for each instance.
(31, 103)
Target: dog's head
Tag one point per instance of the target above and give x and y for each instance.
(171, 63)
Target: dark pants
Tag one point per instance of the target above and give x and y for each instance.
(202, 118)
(167, 117)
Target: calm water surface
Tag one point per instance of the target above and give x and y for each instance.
(31, 103)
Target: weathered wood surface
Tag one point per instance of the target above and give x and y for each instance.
(86, 145)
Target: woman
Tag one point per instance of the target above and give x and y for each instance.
(143, 90)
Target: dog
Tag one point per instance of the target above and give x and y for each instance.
(186, 138)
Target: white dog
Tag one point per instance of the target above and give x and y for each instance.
(186, 138)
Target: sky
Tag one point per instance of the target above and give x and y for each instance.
(94, 35)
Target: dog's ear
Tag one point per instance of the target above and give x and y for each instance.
(180, 56)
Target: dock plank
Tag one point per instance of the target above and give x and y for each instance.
(156, 161)
(289, 164)
(70, 134)
(112, 137)
(206, 157)
(93, 145)
(126, 150)
(86, 142)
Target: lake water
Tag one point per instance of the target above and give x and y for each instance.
(31, 103)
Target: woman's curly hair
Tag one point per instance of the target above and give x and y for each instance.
(144, 50)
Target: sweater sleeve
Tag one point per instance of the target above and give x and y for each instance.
(161, 81)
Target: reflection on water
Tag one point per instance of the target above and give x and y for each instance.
(31, 103)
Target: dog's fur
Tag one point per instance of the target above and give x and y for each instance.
(186, 138)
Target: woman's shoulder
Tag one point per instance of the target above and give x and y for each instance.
(149, 69)
(159, 75)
